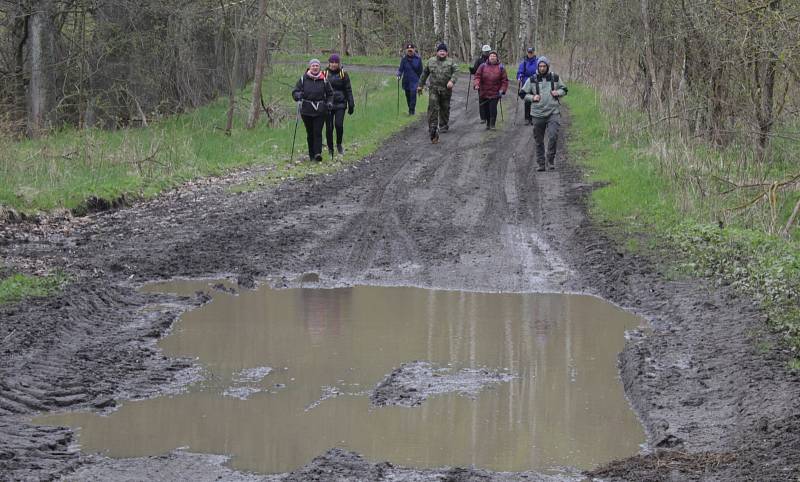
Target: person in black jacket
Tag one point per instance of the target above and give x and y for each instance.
(314, 97)
(342, 99)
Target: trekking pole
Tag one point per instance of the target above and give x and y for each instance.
(398, 96)
(294, 136)
(469, 87)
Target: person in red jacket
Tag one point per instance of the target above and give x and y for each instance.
(491, 82)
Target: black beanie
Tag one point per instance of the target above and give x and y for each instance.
(441, 46)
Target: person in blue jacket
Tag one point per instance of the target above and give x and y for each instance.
(409, 71)
(527, 68)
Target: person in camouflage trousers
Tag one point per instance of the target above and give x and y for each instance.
(442, 72)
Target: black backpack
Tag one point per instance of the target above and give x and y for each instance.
(536, 78)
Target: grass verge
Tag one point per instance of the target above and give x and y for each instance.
(369, 61)
(17, 287)
(66, 168)
(647, 208)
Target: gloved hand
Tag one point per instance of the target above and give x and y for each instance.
(329, 105)
(419, 89)
(350, 109)
(297, 96)
(502, 94)
(529, 98)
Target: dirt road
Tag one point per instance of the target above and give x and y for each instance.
(468, 213)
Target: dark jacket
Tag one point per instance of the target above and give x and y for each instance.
(316, 95)
(491, 79)
(527, 68)
(342, 91)
(410, 69)
(480, 60)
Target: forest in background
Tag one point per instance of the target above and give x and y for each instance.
(721, 76)
(713, 68)
(690, 118)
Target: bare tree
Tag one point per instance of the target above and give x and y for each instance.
(42, 85)
(472, 19)
(261, 60)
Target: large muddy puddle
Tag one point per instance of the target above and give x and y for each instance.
(290, 373)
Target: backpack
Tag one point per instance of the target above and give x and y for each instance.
(553, 78)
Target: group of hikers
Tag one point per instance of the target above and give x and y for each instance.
(323, 96)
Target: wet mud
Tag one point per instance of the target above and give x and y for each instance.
(412, 383)
(469, 213)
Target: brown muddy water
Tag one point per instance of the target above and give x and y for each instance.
(289, 374)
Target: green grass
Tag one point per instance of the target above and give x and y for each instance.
(370, 61)
(643, 200)
(67, 167)
(17, 287)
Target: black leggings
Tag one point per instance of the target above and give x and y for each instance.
(489, 110)
(335, 119)
(314, 126)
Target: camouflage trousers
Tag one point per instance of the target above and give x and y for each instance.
(438, 109)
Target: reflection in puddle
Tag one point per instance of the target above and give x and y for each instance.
(290, 374)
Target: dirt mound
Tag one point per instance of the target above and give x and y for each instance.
(412, 383)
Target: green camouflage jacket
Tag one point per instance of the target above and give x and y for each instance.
(440, 72)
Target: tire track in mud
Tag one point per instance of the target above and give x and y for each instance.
(468, 213)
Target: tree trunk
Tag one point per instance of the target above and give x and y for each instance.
(233, 72)
(480, 11)
(343, 34)
(261, 57)
(765, 113)
(524, 32)
(565, 23)
(472, 21)
(21, 30)
(437, 27)
(41, 89)
(446, 21)
(465, 54)
(649, 57)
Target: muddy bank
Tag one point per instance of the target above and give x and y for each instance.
(470, 213)
(334, 465)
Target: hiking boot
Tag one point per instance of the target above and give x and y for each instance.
(340, 149)
(444, 128)
(318, 157)
(552, 166)
(528, 122)
(488, 126)
(434, 137)
(540, 168)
